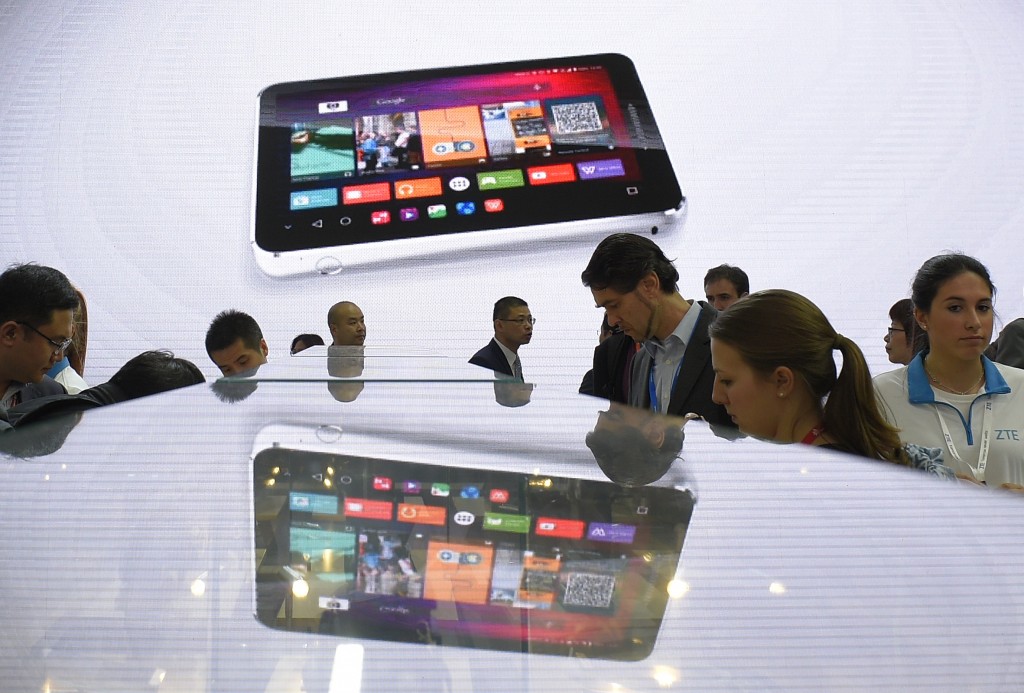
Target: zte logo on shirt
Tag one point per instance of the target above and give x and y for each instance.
(1007, 434)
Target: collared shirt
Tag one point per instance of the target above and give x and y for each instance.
(510, 355)
(666, 356)
(11, 398)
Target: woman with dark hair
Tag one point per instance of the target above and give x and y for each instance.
(774, 369)
(904, 339)
(951, 396)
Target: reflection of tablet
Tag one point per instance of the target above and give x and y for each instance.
(358, 169)
(409, 552)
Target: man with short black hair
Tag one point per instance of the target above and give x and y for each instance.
(234, 342)
(630, 277)
(513, 327)
(37, 311)
(724, 285)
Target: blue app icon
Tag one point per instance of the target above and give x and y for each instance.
(465, 208)
(470, 492)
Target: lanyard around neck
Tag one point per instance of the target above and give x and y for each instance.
(986, 439)
(653, 389)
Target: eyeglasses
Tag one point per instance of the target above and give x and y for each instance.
(521, 321)
(893, 329)
(58, 347)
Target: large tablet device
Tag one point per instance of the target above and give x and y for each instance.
(356, 170)
(410, 552)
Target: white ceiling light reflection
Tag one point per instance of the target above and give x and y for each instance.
(777, 588)
(198, 586)
(677, 589)
(300, 588)
(665, 676)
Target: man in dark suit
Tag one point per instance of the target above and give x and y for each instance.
(662, 359)
(37, 310)
(513, 327)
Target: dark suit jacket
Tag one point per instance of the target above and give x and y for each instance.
(610, 376)
(491, 356)
(1008, 349)
(692, 391)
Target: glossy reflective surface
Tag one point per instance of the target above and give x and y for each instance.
(132, 554)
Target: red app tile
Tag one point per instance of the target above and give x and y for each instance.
(553, 527)
(547, 175)
(361, 194)
(382, 483)
(494, 205)
(499, 495)
(369, 509)
(380, 217)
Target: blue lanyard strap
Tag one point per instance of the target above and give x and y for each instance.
(653, 390)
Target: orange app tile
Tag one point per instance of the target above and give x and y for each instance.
(458, 572)
(517, 112)
(422, 514)
(361, 194)
(546, 175)
(417, 187)
(452, 134)
(544, 578)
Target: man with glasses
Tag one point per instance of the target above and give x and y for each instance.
(513, 327)
(671, 372)
(37, 311)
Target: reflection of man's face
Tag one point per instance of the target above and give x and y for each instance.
(238, 358)
(516, 328)
(348, 327)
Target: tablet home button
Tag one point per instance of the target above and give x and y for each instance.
(328, 265)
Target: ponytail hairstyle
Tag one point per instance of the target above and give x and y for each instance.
(776, 328)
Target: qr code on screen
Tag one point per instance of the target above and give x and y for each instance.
(589, 589)
(576, 117)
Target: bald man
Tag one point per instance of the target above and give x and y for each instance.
(348, 328)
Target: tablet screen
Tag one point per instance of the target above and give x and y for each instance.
(407, 155)
(408, 552)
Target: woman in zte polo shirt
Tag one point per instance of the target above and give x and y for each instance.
(951, 396)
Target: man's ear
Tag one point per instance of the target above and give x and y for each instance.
(264, 348)
(649, 285)
(654, 433)
(8, 332)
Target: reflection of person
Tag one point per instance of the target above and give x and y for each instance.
(635, 283)
(347, 324)
(1008, 347)
(724, 285)
(952, 396)
(513, 327)
(304, 341)
(345, 362)
(634, 446)
(775, 370)
(512, 393)
(149, 373)
(606, 331)
(904, 339)
(37, 311)
(234, 342)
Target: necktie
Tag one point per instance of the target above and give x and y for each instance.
(517, 369)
